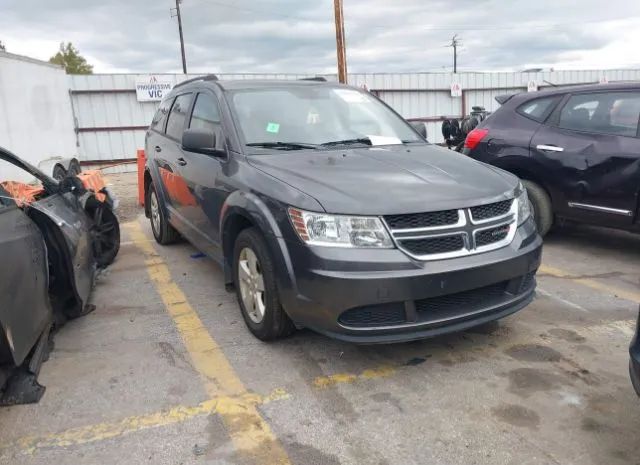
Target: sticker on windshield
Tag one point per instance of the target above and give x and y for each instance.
(273, 128)
(351, 96)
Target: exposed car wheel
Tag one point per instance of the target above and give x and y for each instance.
(542, 209)
(256, 289)
(59, 173)
(163, 232)
(106, 235)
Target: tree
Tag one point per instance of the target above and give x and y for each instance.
(2, 47)
(69, 57)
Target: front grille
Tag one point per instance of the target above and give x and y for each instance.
(462, 300)
(433, 245)
(489, 236)
(422, 220)
(492, 210)
(374, 315)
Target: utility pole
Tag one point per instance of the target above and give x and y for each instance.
(341, 46)
(455, 43)
(177, 10)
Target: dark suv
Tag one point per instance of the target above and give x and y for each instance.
(328, 210)
(576, 149)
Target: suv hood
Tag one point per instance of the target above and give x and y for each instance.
(388, 180)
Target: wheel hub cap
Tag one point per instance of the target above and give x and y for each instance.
(251, 284)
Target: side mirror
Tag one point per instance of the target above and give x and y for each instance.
(420, 127)
(205, 141)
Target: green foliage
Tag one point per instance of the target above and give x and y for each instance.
(69, 57)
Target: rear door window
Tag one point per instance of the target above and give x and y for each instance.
(160, 118)
(177, 116)
(615, 113)
(538, 109)
(206, 113)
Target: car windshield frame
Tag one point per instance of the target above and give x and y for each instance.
(251, 147)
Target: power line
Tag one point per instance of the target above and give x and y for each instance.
(453, 27)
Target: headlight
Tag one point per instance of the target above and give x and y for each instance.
(340, 231)
(524, 206)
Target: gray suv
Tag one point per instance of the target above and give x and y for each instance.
(327, 210)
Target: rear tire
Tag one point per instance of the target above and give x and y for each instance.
(542, 208)
(163, 232)
(256, 289)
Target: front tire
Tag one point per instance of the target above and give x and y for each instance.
(163, 232)
(542, 208)
(256, 289)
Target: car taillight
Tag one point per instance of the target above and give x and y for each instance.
(474, 138)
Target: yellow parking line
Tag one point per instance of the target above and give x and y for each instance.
(103, 431)
(622, 293)
(343, 378)
(178, 414)
(251, 435)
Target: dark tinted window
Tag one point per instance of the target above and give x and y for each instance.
(161, 115)
(175, 122)
(206, 113)
(539, 108)
(5, 199)
(614, 113)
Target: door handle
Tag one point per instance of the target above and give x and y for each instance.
(182, 161)
(549, 148)
(158, 148)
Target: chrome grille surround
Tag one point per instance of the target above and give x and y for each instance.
(466, 227)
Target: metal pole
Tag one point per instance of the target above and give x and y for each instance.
(184, 58)
(340, 41)
(455, 57)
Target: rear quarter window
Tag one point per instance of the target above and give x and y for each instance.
(160, 118)
(538, 109)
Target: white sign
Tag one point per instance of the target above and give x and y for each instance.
(456, 89)
(152, 89)
(532, 86)
(604, 80)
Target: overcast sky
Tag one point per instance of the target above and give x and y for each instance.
(299, 35)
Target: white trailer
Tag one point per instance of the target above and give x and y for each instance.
(36, 118)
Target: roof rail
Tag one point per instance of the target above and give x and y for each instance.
(208, 77)
(316, 78)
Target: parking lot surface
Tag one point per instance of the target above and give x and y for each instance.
(165, 371)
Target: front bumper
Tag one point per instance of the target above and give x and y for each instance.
(382, 296)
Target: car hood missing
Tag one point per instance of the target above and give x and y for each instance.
(389, 180)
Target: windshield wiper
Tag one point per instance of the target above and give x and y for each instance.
(361, 140)
(283, 145)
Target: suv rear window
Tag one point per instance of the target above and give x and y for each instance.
(615, 113)
(175, 122)
(538, 109)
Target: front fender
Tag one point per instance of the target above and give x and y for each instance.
(260, 213)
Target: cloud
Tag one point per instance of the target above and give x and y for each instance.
(298, 35)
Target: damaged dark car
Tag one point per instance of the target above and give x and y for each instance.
(54, 238)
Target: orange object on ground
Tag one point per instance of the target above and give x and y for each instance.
(22, 193)
(94, 181)
(142, 160)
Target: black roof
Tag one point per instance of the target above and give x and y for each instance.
(612, 86)
(241, 84)
(563, 89)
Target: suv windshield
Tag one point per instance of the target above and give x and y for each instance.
(299, 117)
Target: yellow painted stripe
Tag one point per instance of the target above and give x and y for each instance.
(626, 294)
(342, 378)
(106, 430)
(251, 435)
